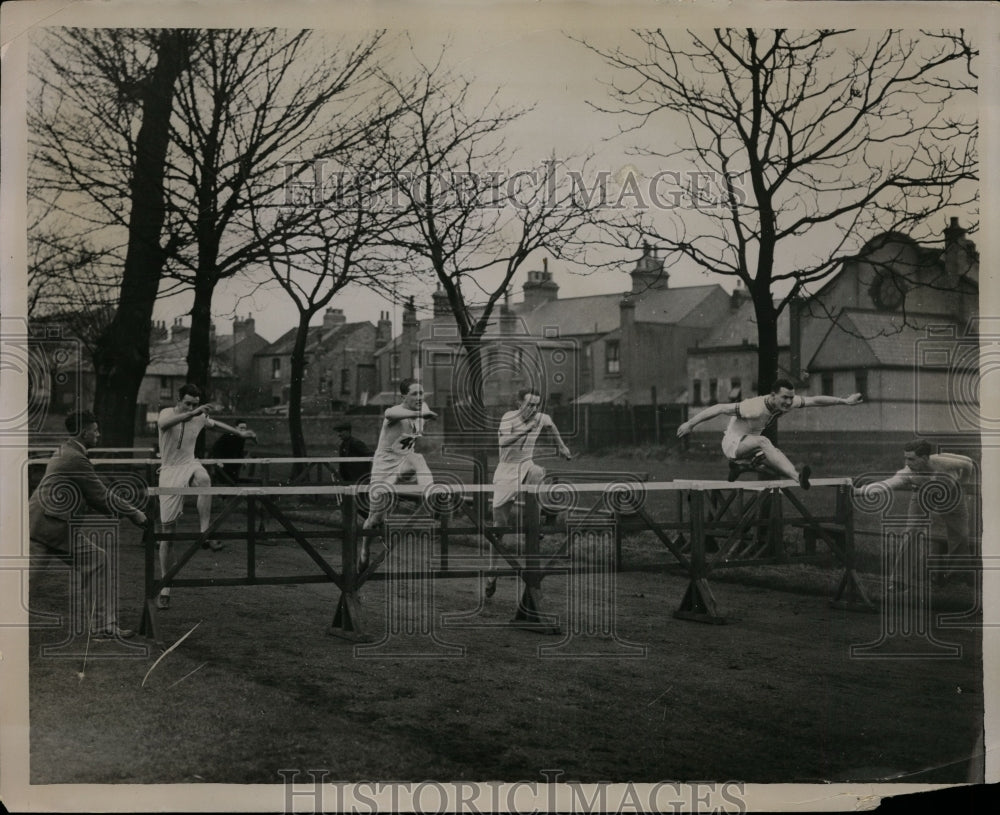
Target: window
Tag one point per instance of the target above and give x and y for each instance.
(612, 357)
(696, 392)
(861, 383)
(166, 391)
(735, 389)
(713, 391)
(826, 383)
(276, 368)
(345, 380)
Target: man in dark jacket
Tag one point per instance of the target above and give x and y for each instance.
(68, 489)
(352, 472)
(230, 445)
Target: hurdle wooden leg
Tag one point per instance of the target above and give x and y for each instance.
(698, 603)
(529, 614)
(149, 624)
(348, 618)
(850, 593)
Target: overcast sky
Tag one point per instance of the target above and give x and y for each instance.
(531, 58)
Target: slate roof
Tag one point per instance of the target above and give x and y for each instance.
(170, 359)
(872, 338)
(741, 328)
(574, 316)
(598, 314)
(317, 336)
(676, 306)
(602, 396)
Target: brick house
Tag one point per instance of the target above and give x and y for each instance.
(340, 371)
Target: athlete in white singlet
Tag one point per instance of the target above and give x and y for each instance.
(743, 439)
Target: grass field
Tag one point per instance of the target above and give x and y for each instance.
(258, 686)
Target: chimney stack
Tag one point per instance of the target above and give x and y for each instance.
(540, 287)
(442, 308)
(383, 331)
(649, 272)
(334, 318)
(178, 331)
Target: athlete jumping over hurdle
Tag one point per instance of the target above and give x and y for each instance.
(395, 455)
(519, 430)
(178, 431)
(743, 440)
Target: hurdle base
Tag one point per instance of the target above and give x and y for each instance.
(529, 616)
(149, 624)
(350, 636)
(848, 605)
(851, 596)
(347, 620)
(699, 605)
(700, 617)
(538, 627)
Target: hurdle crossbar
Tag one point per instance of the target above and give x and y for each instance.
(701, 525)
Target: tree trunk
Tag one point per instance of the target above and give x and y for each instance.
(767, 343)
(295, 389)
(472, 418)
(199, 355)
(767, 354)
(199, 347)
(122, 352)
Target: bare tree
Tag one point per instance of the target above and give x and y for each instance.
(805, 145)
(100, 133)
(334, 233)
(255, 102)
(478, 210)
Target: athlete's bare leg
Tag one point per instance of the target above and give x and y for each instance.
(775, 459)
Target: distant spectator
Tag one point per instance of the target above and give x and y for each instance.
(352, 472)
(231, 445)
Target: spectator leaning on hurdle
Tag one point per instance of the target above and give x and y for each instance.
(955, 473)
(69, 489)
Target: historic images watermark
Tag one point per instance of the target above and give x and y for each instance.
(551, 186)
(311, 790)
(46, 356)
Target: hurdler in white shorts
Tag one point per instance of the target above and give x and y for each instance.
(179, 464)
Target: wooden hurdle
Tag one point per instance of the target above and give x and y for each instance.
(720, 525)
(348, 619)
(744, 525)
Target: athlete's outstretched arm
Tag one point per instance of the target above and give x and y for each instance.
(398, 412)
(830, 401)
(563, 449)
(721, 409)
